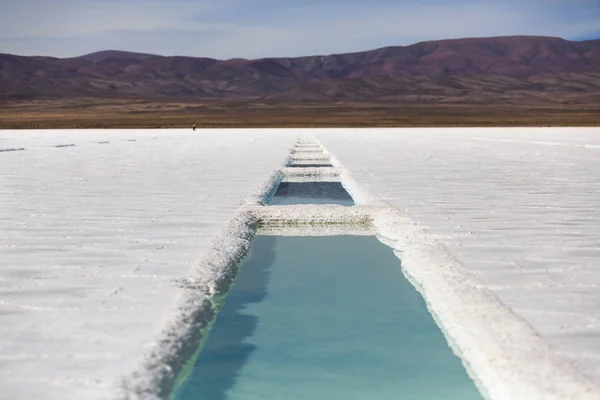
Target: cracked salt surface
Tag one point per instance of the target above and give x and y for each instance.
(116, 228)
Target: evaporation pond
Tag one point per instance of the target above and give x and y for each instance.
(296, 165)
(324, 318)
(311, 193)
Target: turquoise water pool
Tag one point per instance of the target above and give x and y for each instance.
(307, 165)
(288, 193)
(324, 318)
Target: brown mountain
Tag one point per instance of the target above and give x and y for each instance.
(510, 69)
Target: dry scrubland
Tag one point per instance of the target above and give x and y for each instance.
(143, 113)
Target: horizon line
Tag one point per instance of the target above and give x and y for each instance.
(309, 55)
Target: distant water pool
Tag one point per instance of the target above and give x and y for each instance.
(315, 165)
(324, 318)
(311, 193)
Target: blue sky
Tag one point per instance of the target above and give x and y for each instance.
(262, 28)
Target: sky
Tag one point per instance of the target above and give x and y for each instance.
(275, 28)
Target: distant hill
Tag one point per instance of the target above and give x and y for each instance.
(507, 69)
(115, 54)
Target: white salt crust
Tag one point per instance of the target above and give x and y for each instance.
(316, 230)
(312, 178)
(178, 341)
(311, 172)
(306, 150)
(307, 214)
(309, 157)
(506, 358)
(503, 354)
(95, 240)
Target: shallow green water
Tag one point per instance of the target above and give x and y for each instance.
(325, 318)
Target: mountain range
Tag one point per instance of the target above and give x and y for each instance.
(513, 69)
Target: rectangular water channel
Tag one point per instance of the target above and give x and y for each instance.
(300, 165)
(324, 318)
(289, 193)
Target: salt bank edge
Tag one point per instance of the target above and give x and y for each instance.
(505, 357)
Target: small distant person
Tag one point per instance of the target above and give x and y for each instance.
(194, 127)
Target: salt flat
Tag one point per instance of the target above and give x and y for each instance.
(518, 207)
(95, 237)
